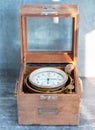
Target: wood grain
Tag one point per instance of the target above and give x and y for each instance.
(48, 57)
(67, 105)
(48, 109)
(36, 10)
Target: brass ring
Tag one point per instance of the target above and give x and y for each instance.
(60, 90)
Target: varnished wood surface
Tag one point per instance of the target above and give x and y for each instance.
(69, 115)
(29, 104)
(48, 57)
(36, 10)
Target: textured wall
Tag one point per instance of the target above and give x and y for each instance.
(10, 37)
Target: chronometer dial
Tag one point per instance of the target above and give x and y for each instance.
(48, 77)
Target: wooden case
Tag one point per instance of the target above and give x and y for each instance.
(48, 109)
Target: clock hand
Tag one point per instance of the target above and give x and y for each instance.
(54, 79)
(47, 80)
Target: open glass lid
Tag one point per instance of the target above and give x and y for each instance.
(49, 34)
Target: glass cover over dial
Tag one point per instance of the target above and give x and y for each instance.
(48, 77)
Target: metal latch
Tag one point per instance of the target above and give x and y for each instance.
(46, 10)
(48, 97)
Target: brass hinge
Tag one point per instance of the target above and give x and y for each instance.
(24, 59)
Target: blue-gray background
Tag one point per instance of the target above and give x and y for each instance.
(10, 37)
(10, 63)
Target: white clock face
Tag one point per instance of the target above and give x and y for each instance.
(48, 77)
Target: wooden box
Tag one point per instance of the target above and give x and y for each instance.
(40, 108)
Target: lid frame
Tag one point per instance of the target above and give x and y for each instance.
(51, 56)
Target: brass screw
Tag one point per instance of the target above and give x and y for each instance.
(70, 87)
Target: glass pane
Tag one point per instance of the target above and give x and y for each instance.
(49, 34)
